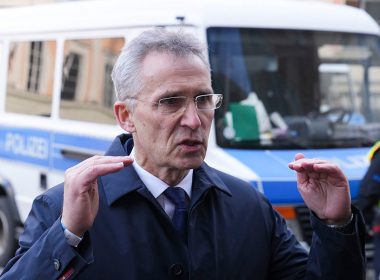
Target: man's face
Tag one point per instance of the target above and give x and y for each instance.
(178, 140)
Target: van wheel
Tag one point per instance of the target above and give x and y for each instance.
(8, 243)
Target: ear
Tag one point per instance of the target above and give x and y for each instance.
(124, 117)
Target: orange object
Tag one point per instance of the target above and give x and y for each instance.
(288, 212)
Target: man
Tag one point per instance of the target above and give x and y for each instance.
(369, 202)
(117, 217)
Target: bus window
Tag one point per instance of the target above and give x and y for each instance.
(87, 92)
(30, 77)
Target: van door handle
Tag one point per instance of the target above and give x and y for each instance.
(78, 154)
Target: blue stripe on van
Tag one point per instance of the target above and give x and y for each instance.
(286, 192)
(26, 145)
(279, 182)
(44, 148)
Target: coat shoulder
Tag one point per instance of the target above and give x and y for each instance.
(242, 189)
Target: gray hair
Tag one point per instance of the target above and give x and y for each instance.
(126, 72)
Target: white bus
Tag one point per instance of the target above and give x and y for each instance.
(295, 76)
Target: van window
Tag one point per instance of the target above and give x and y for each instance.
(30, 77)
(374, 89)
(292, 88)
(1, 61)
(1, 51)
(87, 92)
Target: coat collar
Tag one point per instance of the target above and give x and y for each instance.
(126, 181)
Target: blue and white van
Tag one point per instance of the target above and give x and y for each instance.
(296, 76)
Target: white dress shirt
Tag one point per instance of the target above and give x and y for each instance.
(157, 186)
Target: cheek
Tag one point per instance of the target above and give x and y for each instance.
(207, 120)
(167, 126)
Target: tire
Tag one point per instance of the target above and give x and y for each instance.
(8, 242)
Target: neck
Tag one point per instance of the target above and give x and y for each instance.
(171, 176)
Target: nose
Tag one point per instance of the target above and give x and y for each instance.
(190, 117)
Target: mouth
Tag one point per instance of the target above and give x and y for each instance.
(191, 145)
(190, 142)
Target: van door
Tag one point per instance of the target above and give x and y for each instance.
(3, 68)
(25, 129)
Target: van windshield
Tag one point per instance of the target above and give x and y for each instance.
(295, 89)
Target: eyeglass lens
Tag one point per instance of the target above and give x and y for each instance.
(177, 103)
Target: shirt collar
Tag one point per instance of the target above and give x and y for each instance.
(155, 185)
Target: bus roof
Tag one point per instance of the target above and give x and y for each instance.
(113, 14)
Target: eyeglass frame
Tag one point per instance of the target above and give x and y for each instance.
(182, 109)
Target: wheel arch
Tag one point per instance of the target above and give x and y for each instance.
(6, 190)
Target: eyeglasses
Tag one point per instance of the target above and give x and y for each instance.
(178, 104)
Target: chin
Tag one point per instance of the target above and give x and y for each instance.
(191, 163)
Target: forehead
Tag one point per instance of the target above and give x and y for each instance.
(167, 72)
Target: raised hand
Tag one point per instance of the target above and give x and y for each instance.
(324, 188)
(81, 198)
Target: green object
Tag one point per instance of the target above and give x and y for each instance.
(244, 120)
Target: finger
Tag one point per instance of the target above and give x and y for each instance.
(83, 163)
(100, 160)
(95, 167)
(327, 168)
(90, 174)
(103, 165)
(297, 166)
(299, 156)
(109, 159)
(306, 164)
(317, 165)
(296, 163)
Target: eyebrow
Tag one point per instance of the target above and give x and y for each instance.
(167, 94)
(175, 93)
(206, 91)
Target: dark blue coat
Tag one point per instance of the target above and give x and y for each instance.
(233, 233)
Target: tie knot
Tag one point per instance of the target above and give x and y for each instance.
(177, 196)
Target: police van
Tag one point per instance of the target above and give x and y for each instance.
(295, 77)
